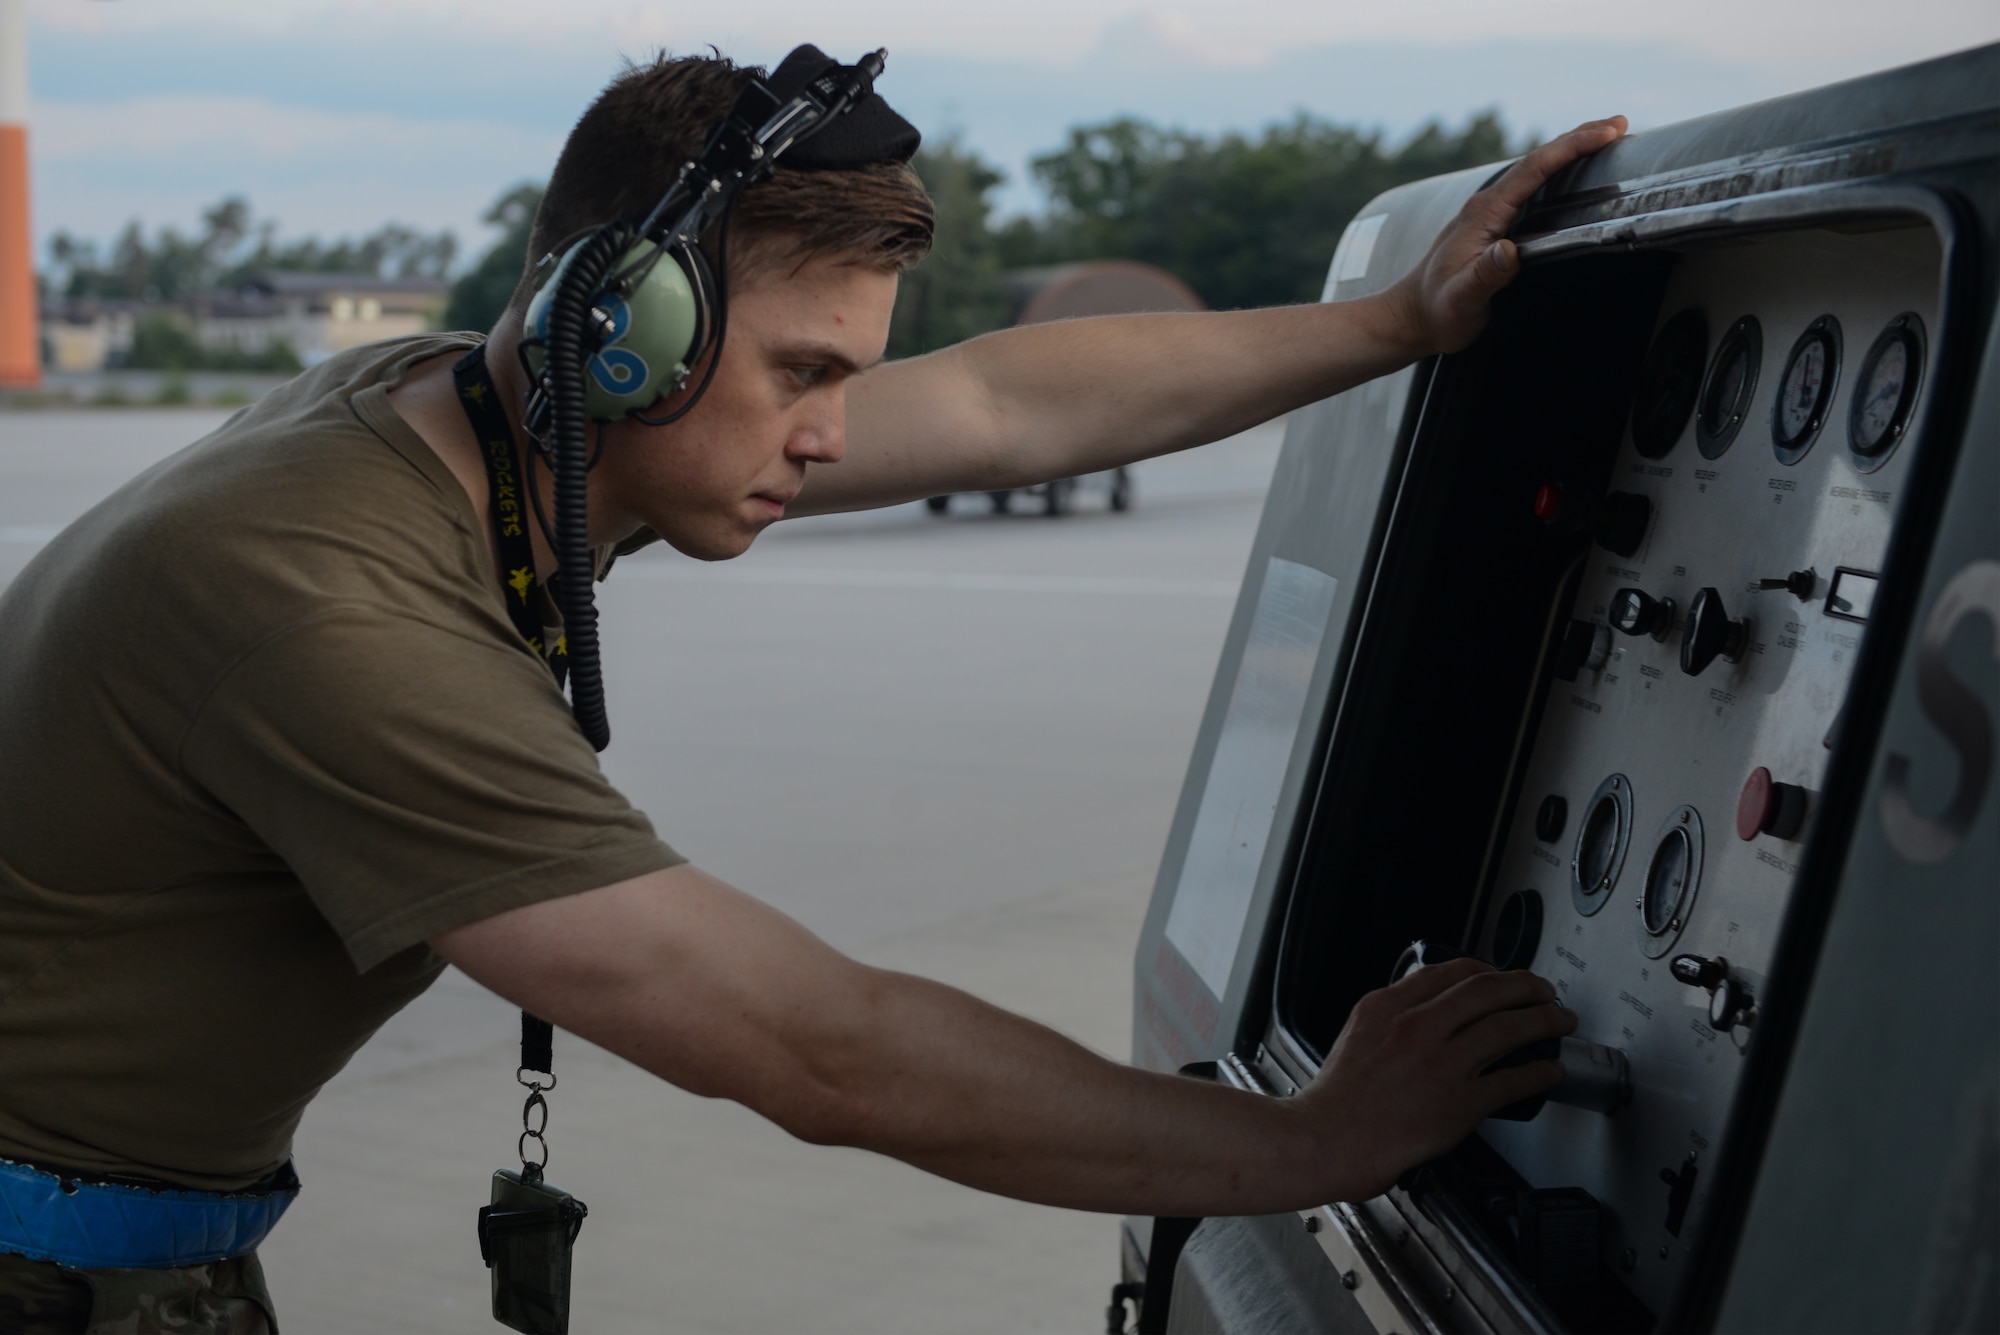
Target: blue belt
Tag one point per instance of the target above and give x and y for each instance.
(105, 1225)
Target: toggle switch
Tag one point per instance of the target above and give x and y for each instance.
(1584, 644)
(1800, 584)
(1680, 1192)
(1636, 612)
(1729, 999)
(1769, 807)
(1709, 633)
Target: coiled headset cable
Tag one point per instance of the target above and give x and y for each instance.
(609, 262)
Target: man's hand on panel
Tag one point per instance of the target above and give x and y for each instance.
(1446, 298)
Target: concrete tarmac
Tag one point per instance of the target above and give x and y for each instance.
(949, 745)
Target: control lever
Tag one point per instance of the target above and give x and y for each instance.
(1595, 1077)
(1709, 632)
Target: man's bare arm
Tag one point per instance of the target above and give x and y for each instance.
(1057, 400)
(724, 996)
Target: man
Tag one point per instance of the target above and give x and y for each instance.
(277, 755)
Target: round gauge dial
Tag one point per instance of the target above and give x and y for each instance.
(1672, 878)
(1805, 390)
(1885, 392)
(1600, 844)
(1731, 384)
(1666, 879)
(1669, 383)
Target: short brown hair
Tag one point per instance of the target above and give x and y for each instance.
(632, 141)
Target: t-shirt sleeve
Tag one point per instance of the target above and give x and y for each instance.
(413, 777)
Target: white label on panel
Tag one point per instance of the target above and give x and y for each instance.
(1240, 800)
(1351, 256)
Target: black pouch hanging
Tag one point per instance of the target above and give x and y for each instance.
(525, 1237)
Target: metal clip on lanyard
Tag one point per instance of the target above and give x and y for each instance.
(525, 1234)
(538, 1040)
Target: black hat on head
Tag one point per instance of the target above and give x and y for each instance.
(870, 131)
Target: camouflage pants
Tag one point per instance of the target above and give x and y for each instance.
(226, 1298)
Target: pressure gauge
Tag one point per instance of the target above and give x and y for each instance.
(1669, 383)
(1672, 878)
(1601, 845)
(1806, 390)
(1885, 392)
(1731, 384)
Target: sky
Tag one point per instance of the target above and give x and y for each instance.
(335, 116)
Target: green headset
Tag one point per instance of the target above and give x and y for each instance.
(623, 311)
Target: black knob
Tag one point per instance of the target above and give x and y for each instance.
(1637, 613)
(1621, 522)
(1584, 644)
(1708, 633)
(1696, 971)
(1550, 818)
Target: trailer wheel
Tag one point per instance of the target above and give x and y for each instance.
(1002, 501)
(1055, 499)
(1121, 491)
(937, 505)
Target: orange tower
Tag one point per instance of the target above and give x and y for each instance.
(20, 316)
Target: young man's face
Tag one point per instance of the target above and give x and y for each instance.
(710, 483)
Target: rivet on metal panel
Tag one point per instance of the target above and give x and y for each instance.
(1663, 1253)
(1403, 1237)
(1349, 1280)
(1449, 1293)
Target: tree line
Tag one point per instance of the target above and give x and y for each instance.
(1244, 220)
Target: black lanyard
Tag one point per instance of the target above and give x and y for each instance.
(480, 398)
(505, 483)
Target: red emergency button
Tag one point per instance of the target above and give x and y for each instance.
(1548, 501)
(1769, 807)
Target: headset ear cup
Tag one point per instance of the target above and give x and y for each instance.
(702, 285)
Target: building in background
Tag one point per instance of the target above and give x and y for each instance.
(314, 315)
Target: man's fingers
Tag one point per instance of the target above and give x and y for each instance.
(1515, 1083)
(1433, 980)
(1528, 175)
(1495, 267)
(1473, 999)
(1486, 1041)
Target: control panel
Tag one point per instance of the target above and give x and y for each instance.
(1647, 644)
(1700, 655)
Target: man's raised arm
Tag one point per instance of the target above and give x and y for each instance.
(726, 997)
(1058, 400)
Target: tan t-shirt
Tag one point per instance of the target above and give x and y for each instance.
(264, 729)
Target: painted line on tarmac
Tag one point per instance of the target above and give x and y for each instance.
(932, 581)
